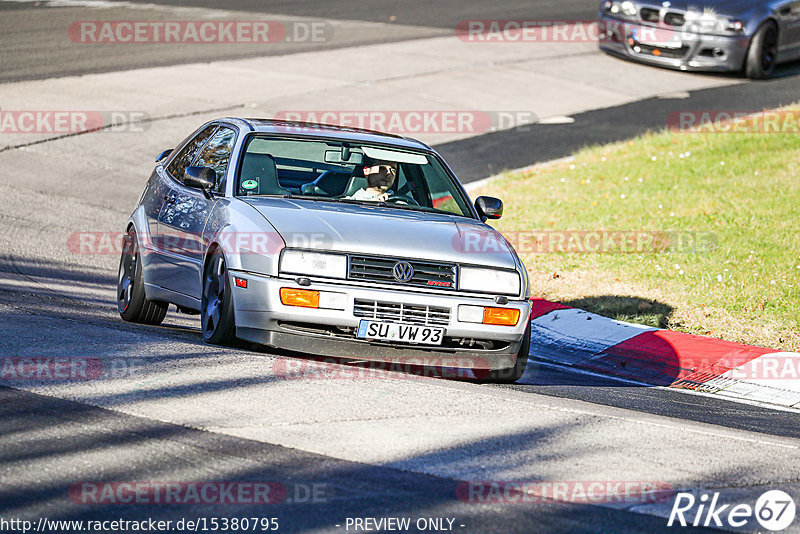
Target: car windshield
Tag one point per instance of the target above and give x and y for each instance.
(346, 171)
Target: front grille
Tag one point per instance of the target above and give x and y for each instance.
(426, 273)
(674, 19)
(672, 53)
(649, 14)
(653, 16)
(402, 313)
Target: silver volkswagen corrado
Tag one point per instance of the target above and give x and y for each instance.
(273, 232)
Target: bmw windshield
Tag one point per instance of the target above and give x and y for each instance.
(346, 171)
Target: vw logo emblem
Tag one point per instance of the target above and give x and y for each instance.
(403, 271)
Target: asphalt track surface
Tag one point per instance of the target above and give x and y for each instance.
(48, 442)
(40, 47)
(343, 489)
(35, 45)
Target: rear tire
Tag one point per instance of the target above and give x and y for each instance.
(216, 306)
(763, 52)
(510, 375)
(132, 303)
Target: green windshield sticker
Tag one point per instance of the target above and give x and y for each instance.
(250, 184)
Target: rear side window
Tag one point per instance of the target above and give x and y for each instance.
(188, 153)
(217, 154)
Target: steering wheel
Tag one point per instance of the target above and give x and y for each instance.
(402, 199)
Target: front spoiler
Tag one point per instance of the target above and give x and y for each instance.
(731, 50)
(320, 345)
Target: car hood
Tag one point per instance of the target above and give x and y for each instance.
(385, 231)
(722, 7)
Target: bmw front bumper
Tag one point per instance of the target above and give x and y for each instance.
(682, 50)
(262, 318)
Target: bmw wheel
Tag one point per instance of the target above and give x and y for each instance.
(763, 52)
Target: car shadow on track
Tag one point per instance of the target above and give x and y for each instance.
(625, 308)
(574, 346)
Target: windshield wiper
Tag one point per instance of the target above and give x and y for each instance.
(311, 197)
(410, 207)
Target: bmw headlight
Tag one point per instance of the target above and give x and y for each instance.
(623, 10)
(314, 263)
(489, 281)
(711, 23)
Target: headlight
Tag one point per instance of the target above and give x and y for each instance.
(705, 23)
(489, 281)
(624, 10)
(314, 264)
(628, 9)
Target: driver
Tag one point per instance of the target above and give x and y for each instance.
(380, 177)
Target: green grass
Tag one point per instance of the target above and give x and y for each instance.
(741, 192)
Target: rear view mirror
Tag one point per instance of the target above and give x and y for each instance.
(489, 207)
(344, 157)
(163, 155)
(203, 178)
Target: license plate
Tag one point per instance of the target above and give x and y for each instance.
(658, 38)
(403, 333)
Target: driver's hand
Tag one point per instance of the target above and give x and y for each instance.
(383, 197)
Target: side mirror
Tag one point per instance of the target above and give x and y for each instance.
(489, 207)
(202, 178)
(163, 155)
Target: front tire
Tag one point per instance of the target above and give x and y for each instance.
(762, 55)
(132, 303)
(216, 307)
(512, 374)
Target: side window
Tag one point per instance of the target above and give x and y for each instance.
(188, 152)
(441, 193)
(217, 153)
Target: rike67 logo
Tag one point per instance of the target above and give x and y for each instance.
(774, 510)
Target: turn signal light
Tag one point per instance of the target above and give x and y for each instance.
(304, 298)
(500, 316)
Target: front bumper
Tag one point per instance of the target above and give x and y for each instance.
(673, 48)
(262, 318)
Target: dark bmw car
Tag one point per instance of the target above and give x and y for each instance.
(749, 36)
